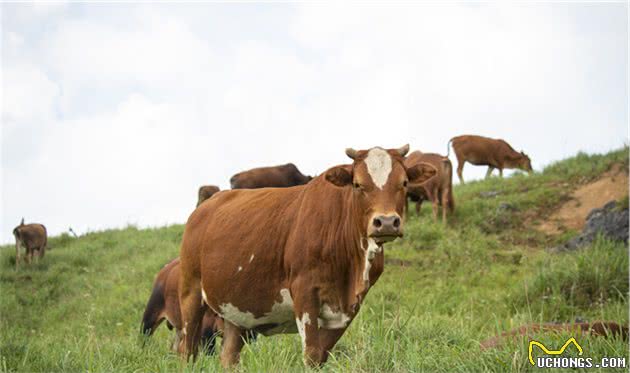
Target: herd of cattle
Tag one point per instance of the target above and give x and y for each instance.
(287, 253)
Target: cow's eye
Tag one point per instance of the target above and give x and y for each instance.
(357, 185)
(405, 184)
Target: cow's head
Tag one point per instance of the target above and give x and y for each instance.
(525, 163)
(379, 179)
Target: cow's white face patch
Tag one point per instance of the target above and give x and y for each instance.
(281, 313)
(329, 319)
(301, 325)
(379, 166)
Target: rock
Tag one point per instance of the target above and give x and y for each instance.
(610, 220)
(489, 194)
(504, 207)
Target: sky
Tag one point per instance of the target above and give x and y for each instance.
(115, 114)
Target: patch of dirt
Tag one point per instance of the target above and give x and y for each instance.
(612, 185)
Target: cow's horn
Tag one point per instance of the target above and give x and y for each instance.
(351, 153)
(403, 150)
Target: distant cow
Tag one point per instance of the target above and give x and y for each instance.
(33, 237)
(269, 177)
(599, 328)
(483, 151)
(294, 260)
(438, 189)
(164, 305)
(205, 192)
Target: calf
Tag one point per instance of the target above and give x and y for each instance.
(484, 151)
(205, 192)
(438, 189)
(269, 177)
(33, 237)
(164, 305)
(301, 259)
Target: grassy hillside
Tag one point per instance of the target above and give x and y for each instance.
(445, 288)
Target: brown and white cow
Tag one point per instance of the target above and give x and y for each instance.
(163, 305)
(438, 189)
(300, 259)
(484, 151)
(283, 176)
(33, 238)
(205, 192)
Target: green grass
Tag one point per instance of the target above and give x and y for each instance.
(444, 290)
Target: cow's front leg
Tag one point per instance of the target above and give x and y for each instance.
(306, 307)
(328, 339)
(489, 172)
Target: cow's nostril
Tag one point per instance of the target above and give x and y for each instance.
(396, 222)
(377, 222)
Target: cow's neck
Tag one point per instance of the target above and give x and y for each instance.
(343, 238)
(362, 254)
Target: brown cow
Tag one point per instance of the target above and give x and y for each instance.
(484, 151)
(438, 189)
(300, 259)
(164, 305)
(269, 177)
(205, 192)
(599, 328)
(33, 237)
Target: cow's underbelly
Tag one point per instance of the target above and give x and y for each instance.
(281, 318)
(477, 161)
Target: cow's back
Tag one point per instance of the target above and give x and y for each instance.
(269, 177)
(477, 150)
(206, 192)
(443, 177)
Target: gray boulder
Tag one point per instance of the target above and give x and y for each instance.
(611, 221)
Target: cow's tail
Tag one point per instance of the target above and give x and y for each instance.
(16, 233)
(448, 148)
(153, 311)
(46, 247)
(448, 170)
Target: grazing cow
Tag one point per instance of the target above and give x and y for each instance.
(599, 328)
(205, 192)
(164, 305)
(269, 177)
(484, 151)
(33, 237)
(300, 259)
(438, 189)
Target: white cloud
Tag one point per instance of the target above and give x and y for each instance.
(151, 49)
(131, 108)
(28, 95)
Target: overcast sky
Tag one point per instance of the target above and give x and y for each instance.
(116, 113)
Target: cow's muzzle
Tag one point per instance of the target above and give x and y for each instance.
(386, 228)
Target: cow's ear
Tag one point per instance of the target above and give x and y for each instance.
(340, 175)
(421, 172)
(403, 150)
